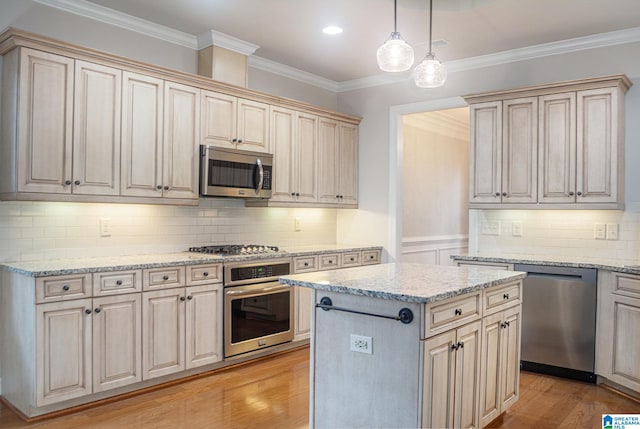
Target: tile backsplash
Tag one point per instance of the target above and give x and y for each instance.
(48, 230)
(558, 232)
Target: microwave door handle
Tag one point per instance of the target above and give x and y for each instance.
(260, 175)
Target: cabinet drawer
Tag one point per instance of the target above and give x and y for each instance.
(163, 278)
(117, 282)
(454, 312)
(500, 297)
(61, 288)
(329, 262)
(627, 285)
(370, 257)
(305, 264)
(350, 259)
(204, 274)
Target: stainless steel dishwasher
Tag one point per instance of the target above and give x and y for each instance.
(559, 321)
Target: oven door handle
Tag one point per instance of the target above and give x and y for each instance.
(271, 289)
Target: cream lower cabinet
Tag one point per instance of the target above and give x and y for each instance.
(618, 323)
(499, 363)
(182, 329)
(86, 346)
(451, 377)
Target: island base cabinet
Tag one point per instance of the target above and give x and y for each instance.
(500, 363)
(451, 377)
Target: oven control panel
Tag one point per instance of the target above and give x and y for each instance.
(258, 272)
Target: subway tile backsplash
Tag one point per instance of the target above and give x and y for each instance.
(49, 230)
(568, 233)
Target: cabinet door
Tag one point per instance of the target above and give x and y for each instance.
(203, 337)
(327, 154)
(96, 129)
(253, 126)
(625, 369)
(63, 351)
(438, 379)
(141, 135)
(304, 298)
(557, 148)
(467, 376)
(306, 156)
(348, 164)
(181, 141)
(163, 316)
(45, 124)
(486, 152)
(520, 150)
(117, 341)
(284, 163)
(219, 119)
(598, 158)
(510, 358)
(490, 362)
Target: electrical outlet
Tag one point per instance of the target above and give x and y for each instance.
(612, 231)
(599, 231)
(516, 228)
(491, 227)
(105, 227)
(361, 344)
(296, 224)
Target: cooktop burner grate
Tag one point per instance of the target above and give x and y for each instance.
(235, 249)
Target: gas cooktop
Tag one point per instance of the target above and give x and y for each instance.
(235, 249)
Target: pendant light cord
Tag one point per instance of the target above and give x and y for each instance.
(430, 24)
(395, 16)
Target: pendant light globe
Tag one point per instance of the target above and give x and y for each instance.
(395, 55)
(430, 73)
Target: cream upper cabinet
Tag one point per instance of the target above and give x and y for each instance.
(233, 122)
(294, 138)
(181, 141)
(337, 162)
(485, 162)
(44, 121)
(96, 129)
(142, 108)
(562, 146)
(557, 148)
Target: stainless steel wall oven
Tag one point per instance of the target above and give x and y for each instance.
(258, 311)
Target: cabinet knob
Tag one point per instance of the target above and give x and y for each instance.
(306, 264)
(497, 194)
(206, 274)
(297, 194)
(504, 194)
(77, 182)
(166, 188)
(330, 261)
(189, 297)
(505, 296)
(371, 257)
(293, 194)
(119, 282)
(460, 345)
(454, 347)
(67, 182)
(97, 310)
(165, 278)
(458, 312)
(239, 140)
(337, 196)
(579, 193)
(352, 259)
(65, 288)
(234, 140)
(88, 311)
(159, 187)
(571, 193)
(182, 298)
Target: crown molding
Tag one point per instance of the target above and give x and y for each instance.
(110, 16)
(222, 40)
(122, 20)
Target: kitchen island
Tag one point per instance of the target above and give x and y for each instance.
(412, 345)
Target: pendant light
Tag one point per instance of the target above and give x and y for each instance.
(395, 55)
(430, 73)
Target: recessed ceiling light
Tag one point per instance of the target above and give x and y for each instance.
(332, 30)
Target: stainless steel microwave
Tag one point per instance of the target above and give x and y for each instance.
(235, 173)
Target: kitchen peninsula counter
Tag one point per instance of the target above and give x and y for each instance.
(412, 345)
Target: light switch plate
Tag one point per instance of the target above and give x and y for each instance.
(491, 227)
(105, 227)
(516, 228)
(599, 231)
(612, 231)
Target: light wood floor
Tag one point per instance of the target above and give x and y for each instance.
(274, 393)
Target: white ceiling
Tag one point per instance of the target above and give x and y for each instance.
(289, 31)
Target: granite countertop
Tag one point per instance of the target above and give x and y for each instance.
(403, 281)
(56, 267)
(622, 266)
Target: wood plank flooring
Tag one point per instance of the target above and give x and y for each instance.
(274, 393)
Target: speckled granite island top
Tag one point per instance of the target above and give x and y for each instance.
(419, 283)
(57, 267)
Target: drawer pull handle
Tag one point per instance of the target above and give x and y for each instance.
(165, 278)
(119, 282)
(458, 312)
(65, 288)
(505, 296)
(206, 274)
(306, 264)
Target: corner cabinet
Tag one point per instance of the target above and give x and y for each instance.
(550, 146)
